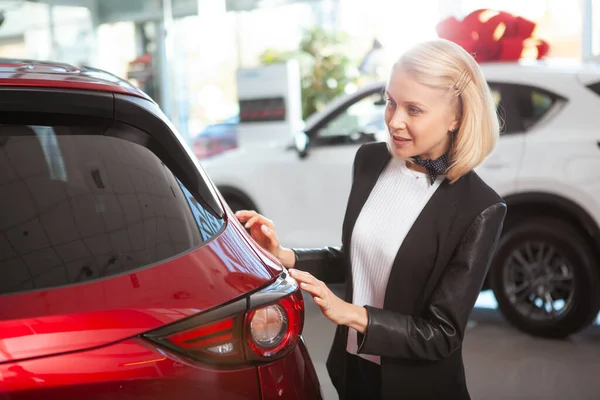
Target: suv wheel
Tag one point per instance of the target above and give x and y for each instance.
(545, 278)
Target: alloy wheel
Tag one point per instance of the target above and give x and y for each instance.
(538, 281)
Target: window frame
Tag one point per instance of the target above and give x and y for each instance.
(508, 125)
(136, 112)
(48, 107)
(313, 133)
(512, 118)
(527, 90)
(126, 133)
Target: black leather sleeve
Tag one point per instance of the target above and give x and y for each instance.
(326, 264)
(439, 332)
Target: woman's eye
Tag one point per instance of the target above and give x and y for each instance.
(389, 101)
(414, 110)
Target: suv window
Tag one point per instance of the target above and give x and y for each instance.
(594, 87)
(361, 120)
(78, 203)
(520, 106)
(532, 104)
(501, 95)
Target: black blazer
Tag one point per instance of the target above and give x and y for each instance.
(434, 283)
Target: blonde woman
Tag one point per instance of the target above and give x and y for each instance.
(418, 236)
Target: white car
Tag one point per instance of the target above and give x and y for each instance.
(546, 166)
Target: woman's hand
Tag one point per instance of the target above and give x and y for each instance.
(263, 232)
(335, 309)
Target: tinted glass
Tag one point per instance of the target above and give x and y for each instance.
(499, 93)
(361, 121)
(519, 106)
(365, 115)
(77, 206)
(594, 87)
(532, 104)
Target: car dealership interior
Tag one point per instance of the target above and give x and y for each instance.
(133, 132)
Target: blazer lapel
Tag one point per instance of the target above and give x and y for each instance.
(363, 185)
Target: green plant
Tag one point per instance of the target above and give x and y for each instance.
(325, 67)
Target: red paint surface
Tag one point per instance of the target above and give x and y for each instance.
(126, 370)
(91, 314)
(293, 377)
(82, 341)
(51, 75)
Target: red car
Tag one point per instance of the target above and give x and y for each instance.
(123, 274)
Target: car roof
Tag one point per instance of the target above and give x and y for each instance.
(542, 69)
(551, 66)
(31, 73)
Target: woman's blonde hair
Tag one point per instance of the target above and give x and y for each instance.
(442, 64)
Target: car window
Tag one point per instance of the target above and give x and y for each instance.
(532, 104)
(504, 96)
(594, 87)
(497, 95)
(520, 106)
(365, 116)
(76, 206)
(500, 95)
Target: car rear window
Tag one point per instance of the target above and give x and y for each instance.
(78, 202)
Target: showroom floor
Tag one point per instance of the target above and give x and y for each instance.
(501, 363)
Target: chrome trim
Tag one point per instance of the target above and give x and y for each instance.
(283, 286)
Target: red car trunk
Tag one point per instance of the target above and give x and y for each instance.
(89, 315)
(122, 275)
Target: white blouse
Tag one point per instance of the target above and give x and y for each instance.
(397, 199)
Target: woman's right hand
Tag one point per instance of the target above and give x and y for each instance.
(262, 231)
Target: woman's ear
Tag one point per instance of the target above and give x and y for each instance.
(456, 117)
(453, 126)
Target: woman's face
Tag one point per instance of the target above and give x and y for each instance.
(418, 117)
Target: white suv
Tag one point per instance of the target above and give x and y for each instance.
(546, 273)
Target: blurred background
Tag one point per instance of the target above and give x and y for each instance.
(185, 53)
(217, 67)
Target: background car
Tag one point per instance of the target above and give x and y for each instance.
(547, 167)
(122, 273)
(216, 138)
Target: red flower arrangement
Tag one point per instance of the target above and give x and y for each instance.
(493, 35)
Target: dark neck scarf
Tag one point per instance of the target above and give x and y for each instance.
(433, 167)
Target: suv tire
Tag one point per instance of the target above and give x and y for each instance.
(544, 261)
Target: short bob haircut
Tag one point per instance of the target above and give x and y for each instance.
(442, 64)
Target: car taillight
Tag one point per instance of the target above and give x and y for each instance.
(259, 329)
(215, 341)
(274, 329)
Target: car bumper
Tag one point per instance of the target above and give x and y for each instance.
(137, 369)
(291, 378)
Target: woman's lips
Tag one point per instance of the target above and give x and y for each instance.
(400, 141)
